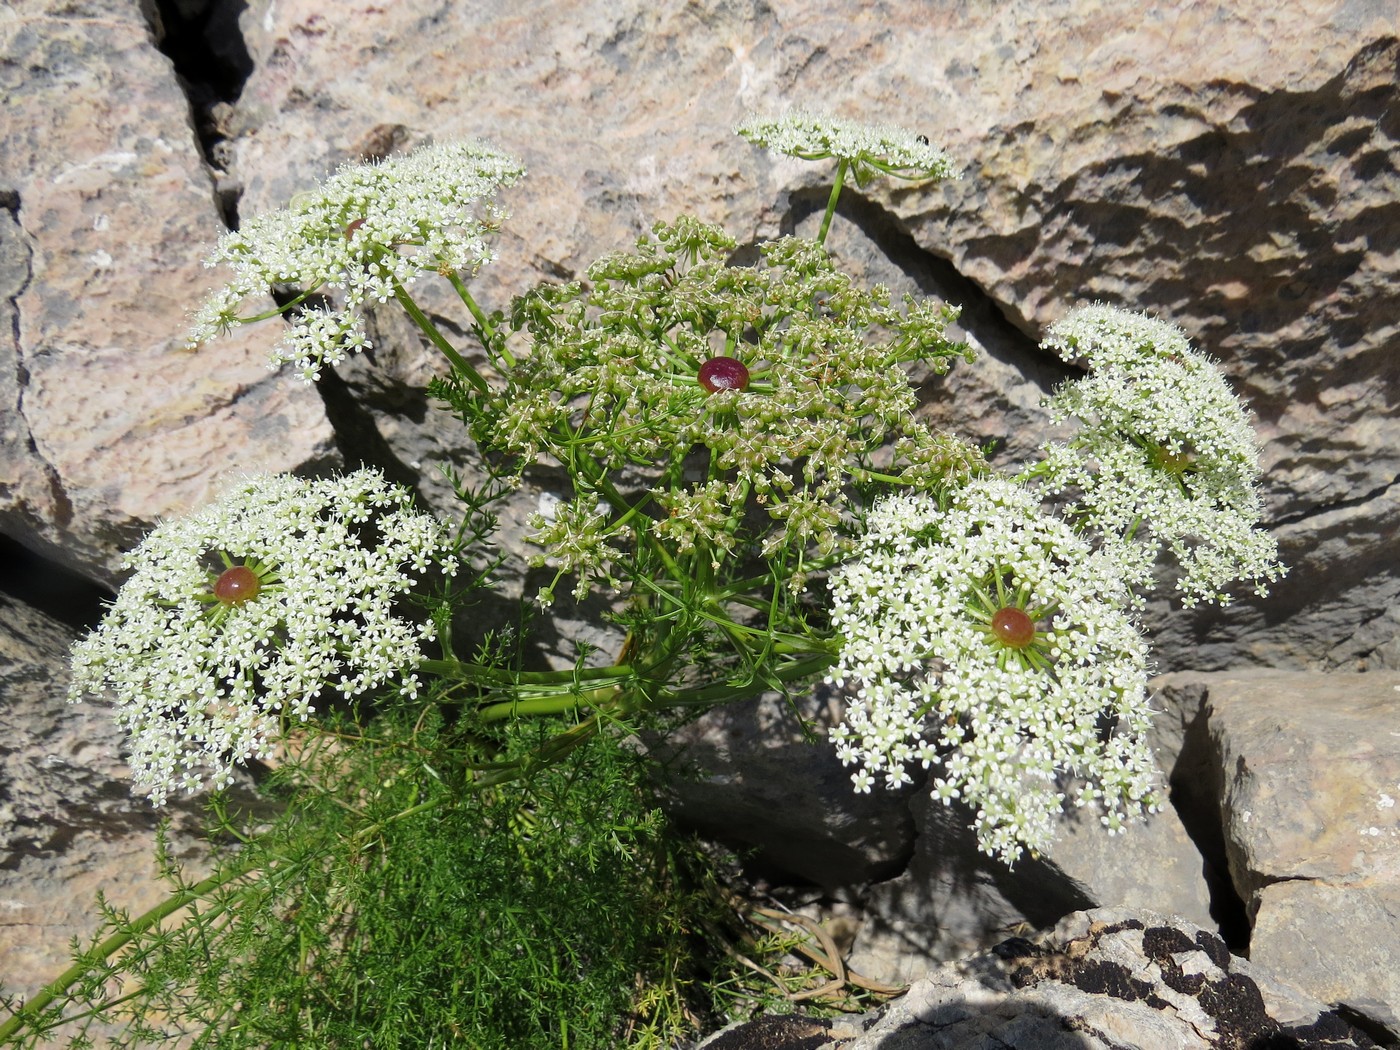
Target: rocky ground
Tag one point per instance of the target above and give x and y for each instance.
(1109, 979)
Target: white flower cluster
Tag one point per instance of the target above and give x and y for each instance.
(868, 148)
(990, 640)
(237, 618)
(1166, 457)
(367, 231)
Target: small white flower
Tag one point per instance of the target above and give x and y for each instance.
(238, 618)
(868, 148)
(1166, 459)
(989, 639)
(367, 231)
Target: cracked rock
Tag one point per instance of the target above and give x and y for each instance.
(1306, 771)
(109, 423)
(1107, 979)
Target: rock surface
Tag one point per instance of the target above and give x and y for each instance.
(69, 825)
(1234, 171)
(1102, 980)
(1304, 773)
(1283, 834)
(106, 214)
(952, 900)
(761, 776)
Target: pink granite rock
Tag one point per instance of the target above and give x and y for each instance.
(109, 423)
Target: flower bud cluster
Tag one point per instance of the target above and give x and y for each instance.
(206, 680)
(1008, 723)
(612, 385)
(1165, 460)
(367, 231)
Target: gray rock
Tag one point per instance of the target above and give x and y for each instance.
(1306, 778)
(108, 213)
(69, 824)
(751, 775)
(952, 900)
(1103, 980)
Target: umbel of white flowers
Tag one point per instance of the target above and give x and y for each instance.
(995, 642)
(1165, 462)
(362, 236)
(237, 619)
(991, 641)
(869, 149)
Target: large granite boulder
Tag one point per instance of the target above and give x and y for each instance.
(107, 211)
(1299, 776)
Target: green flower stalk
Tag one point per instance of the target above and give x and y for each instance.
(238, 620)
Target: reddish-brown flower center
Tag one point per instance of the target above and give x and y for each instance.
(1013, 627)
(353, 225)
(237, 584)
(723, 373)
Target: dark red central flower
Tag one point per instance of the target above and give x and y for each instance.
(236, 585)
(1013, 627)
(723, 373)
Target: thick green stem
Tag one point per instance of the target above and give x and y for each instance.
(490, 337)
(558, 747)
(438, 339)
(841, 167)
(116, 942)
(551, 705)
